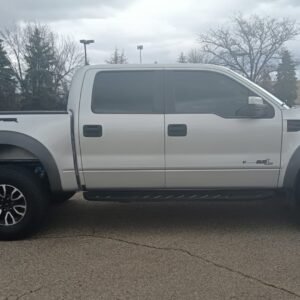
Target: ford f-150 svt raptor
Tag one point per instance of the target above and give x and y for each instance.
(148, 132)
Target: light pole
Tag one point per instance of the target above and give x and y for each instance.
(86, 42)
(140, 47)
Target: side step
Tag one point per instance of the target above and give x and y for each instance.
(137, 195)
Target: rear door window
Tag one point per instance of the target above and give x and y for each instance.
(127, 92)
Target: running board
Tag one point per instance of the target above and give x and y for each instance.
(137, 195)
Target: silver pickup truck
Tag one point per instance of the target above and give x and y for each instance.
(148, 132)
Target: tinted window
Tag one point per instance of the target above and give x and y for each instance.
(126, 92)
(206, 93)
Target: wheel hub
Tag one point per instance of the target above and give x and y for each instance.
(13, 205)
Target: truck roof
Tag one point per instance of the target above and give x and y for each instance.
(156, 66)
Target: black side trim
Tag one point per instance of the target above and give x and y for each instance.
(176, 194)
(74, 152)
(9, 120)
(37, 149)
(293, 125)
(27, 161)
(34, 112)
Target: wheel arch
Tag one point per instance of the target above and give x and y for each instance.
(29, 145)
(292, 172)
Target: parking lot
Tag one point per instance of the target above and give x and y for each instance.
(180, 250)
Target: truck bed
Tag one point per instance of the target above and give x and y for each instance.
(50, 129)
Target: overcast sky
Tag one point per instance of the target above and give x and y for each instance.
(164, 27)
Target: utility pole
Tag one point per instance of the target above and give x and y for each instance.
(140, 48)
(86, 42)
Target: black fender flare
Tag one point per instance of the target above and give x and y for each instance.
(292, 170)
(38, 150)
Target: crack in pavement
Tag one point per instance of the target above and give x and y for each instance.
(18, 297)
(29, 292)
(32, 291)
(184, 251)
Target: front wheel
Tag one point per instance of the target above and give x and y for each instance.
(23, 202)
(296, 201)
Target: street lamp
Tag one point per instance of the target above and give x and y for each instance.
(86, 42)
(140, 47)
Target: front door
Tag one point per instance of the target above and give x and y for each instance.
(207, 145)
(122, 129)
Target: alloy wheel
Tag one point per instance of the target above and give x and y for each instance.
(13, 205)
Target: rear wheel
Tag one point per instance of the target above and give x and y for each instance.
(23, 202)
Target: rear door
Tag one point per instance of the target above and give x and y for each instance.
(207, 144)
(122, 129)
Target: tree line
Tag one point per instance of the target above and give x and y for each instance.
(36, 66)
(253, 46)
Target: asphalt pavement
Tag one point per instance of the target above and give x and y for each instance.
(181, 250)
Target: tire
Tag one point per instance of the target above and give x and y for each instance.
(61, 197)
(23, 202)
(296, 201)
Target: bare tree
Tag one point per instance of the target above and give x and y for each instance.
(117, 57)
(249, 45)
(15, 41)
(68, 56)
(197, 56)
(182, 59)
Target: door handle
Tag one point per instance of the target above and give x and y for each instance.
(177, 130)
(92, 130)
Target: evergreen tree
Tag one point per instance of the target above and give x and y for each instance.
(266, 81)
(7, 82)
(117, 58)
(35, 44)
(39, 80)
(286, 85)
(182, 58)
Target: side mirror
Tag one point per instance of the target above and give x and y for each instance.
(255, 108)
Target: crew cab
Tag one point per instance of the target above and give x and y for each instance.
(144, 133)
